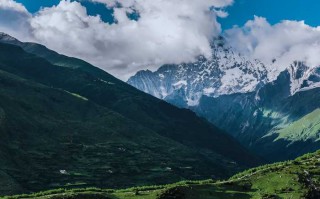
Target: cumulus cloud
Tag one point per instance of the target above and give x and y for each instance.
(68, 29)
(282, 43)
(166, 31)
(14, 19)
(12, 5)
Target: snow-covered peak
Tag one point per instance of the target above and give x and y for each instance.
(226, 72)
(303, 77)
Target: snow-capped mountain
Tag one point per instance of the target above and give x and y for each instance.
(248, 99)
(226, 72)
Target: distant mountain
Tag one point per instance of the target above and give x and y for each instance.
(226, 72)
(244, 97)
(65, 123)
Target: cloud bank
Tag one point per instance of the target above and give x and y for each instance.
(280, 44)
(166, 31)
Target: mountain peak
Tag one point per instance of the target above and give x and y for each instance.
(7, 38)
(227, 72)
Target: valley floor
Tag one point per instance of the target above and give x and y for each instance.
(295, 179)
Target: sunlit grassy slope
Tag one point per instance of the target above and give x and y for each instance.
(298, 136)
(305, 128)
(295, 179)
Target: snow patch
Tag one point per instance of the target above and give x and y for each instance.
(208, 91)
(164, 93)
(180, 84)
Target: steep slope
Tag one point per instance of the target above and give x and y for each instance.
(52, 56)
(298, 137)
(113, 93)
(298, 179)
(305, 128)
(78, 126)
(53, 138)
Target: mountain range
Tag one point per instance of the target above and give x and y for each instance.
(267, 107)
(67, 124)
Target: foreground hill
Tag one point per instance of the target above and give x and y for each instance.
(298, 179)
(65, 123)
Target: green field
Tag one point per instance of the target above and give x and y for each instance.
(295, 179)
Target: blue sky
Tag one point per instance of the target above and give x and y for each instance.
(274, 11)
(92, 8)
(239, 13)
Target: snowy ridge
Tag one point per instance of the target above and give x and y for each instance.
(226, 72)
(303, 77)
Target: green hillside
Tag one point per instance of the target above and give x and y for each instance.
(308, 127)
(296, 136)
(297, 179)
(75, 127)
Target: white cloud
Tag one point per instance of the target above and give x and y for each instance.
(285, 42)
(167, 31)
(68, 29)
(14, 19)
(12, 5)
